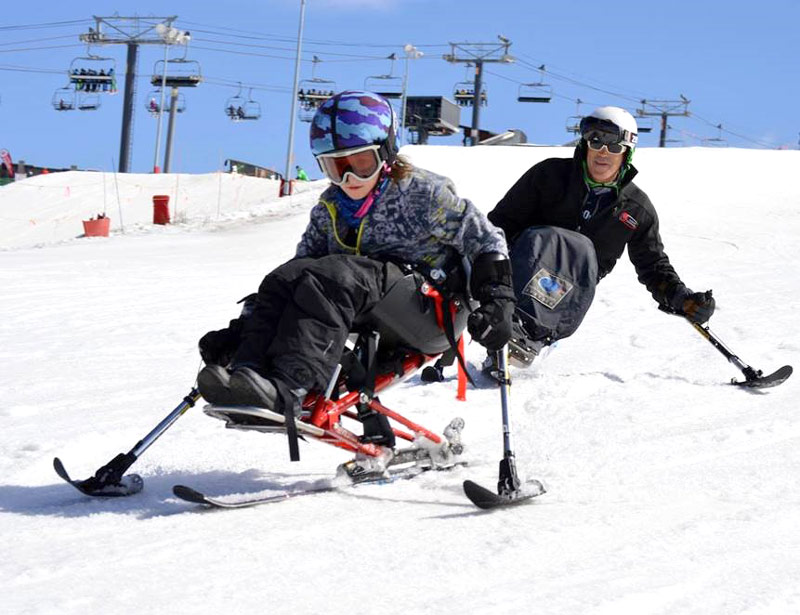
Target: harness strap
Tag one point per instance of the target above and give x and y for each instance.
(444, 318)
(285, 405)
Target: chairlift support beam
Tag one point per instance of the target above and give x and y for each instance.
(478, 54)
(664, 109)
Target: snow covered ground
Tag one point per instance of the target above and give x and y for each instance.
(669, 492)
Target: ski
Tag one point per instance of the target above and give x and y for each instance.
(485, 499)
(757, 381)
(194, 496)
(99, 484)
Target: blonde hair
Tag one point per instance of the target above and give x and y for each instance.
(401, 168)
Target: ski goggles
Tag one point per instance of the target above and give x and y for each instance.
(597, 140)
(363, 163)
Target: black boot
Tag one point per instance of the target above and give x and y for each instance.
(249, 388)
(213, 382)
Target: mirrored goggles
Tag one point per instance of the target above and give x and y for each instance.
(596, 140)
(364, 163)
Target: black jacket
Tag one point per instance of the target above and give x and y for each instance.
(552, 193)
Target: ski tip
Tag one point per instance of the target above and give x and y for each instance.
(60, 469)
(480, 496)
(188, 494)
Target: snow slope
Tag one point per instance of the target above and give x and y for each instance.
(668, 491)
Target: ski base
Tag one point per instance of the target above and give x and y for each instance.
(777, 377)
(127, 485)
(488, 500)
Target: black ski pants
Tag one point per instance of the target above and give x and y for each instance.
(304, 313)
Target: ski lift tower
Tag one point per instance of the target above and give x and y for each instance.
(132, 32)
(664, 109)
(479, 54)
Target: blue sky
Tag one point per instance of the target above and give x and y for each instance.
(736, 62)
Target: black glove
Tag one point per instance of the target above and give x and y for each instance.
(218, 347)
(490, 324)
(697, 307)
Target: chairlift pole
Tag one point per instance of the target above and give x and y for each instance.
(132, 32)
(290, 150)
(476, 103)
(161, 111)
(411, 52)
(173, 105)
(127, 108)
(478, 53)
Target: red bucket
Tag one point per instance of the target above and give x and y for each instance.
(161, 209)
(96, 228)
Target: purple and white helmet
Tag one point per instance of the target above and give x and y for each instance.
(354, 119)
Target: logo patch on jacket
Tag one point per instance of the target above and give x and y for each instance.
(547, 288)
(628, 220)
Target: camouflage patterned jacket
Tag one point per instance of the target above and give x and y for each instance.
(419, 221)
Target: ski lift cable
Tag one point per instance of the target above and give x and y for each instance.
(27, 69)
(732, 133)
(260, 36)
(533, 64)
(288, 49)
(38, 48)
(39, 40)
(554, 94)
(582, 84)
(52, 24)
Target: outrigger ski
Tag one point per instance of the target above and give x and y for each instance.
(755, 380)
(487, 500)
(99, 484)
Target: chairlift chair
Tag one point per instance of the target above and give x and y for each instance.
(644, 124)
(537, 92)
(717, 141)
(239, 108)
(464, 92)
(91, 73)
(385, 85)
(177, 73)
(88, 101)
(64, 99)
(574, 124)
(153, 103)
(574, 121)
(388, 85)
(313, 92)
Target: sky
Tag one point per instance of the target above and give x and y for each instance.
(668, 490)
(735, 62)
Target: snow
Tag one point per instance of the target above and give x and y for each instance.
(668, 490)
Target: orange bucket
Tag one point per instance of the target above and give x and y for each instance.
(96, 228)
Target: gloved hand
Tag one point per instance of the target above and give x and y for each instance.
(697, 307)
(217, 347)
(490, 325)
